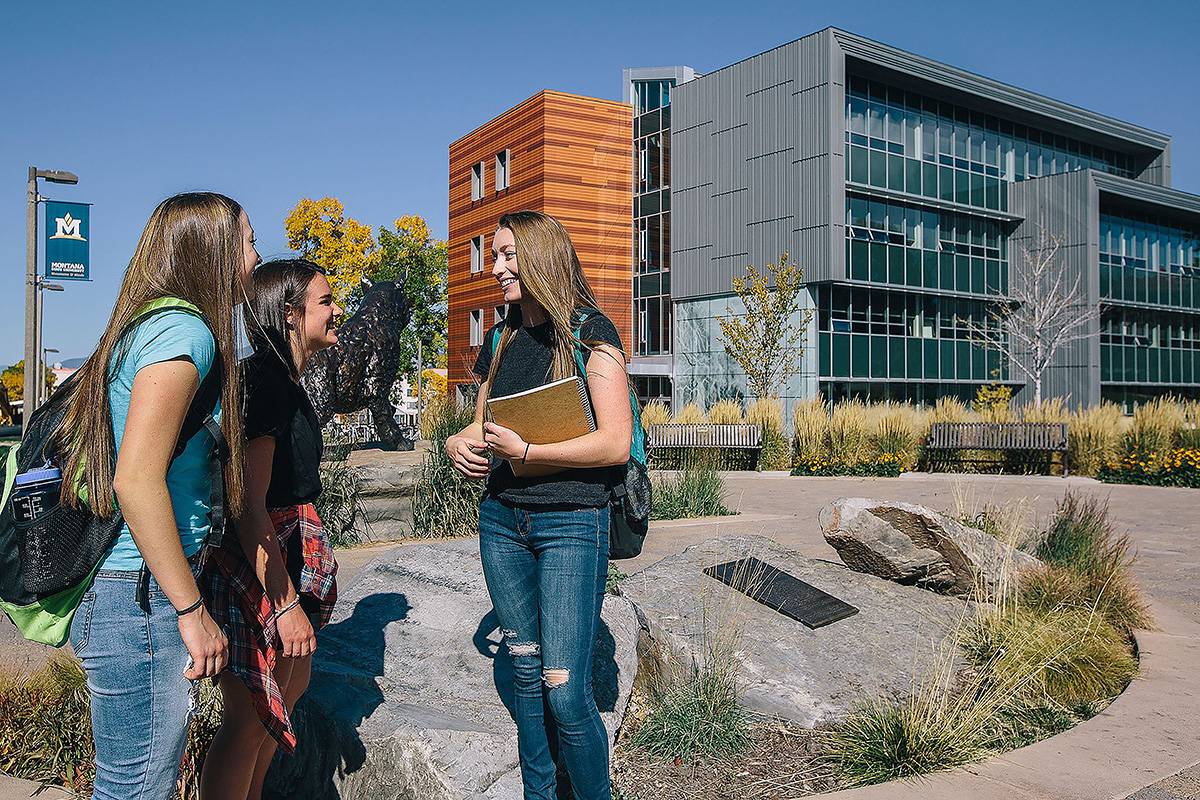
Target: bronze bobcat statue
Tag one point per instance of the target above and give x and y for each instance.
(359, 370)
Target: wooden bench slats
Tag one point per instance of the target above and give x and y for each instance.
(705, 435)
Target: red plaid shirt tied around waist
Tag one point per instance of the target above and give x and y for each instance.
(238, 603)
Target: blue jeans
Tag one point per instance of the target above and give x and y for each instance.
(545, 572)
(140, 699)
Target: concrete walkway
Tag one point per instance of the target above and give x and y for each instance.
(1145, 746)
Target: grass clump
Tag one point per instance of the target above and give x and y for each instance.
(810, 425)
(767, 413)
(655, 413)
(1068, 657)
(897, 435)
(694, 709)
(1088, 565)
(1093, 438)
(726, 412)
(689, 415)
(46, 731)
(849, 434)
(1155, 427)
(445, 503)
(338, 504)
(697, 491)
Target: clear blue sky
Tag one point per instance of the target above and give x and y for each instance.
(272, 101)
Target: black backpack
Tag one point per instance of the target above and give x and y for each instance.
(49, 561)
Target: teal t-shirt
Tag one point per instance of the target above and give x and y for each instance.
(166, 336)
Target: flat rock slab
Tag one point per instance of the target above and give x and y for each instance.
(410, 686)
(811, 677)
(912, 544)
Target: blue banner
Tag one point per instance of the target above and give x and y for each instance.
(67, 233)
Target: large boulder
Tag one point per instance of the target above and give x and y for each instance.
(785, 669)
(914, 545)
(411, 686)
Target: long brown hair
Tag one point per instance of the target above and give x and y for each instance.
(191, 248)
(280, 283)
(550, 274)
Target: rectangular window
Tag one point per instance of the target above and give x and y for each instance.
(477, 254)
(499, 314)
(502, 165)
(477, 181)
(477, 328)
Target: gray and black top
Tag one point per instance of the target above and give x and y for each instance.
(525, 364)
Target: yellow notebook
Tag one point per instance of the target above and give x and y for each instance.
(553, 412)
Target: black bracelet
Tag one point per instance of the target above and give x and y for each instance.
(190, 608)
(526, 455)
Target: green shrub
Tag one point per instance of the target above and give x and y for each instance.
(338, 504)
(698, 491)
(612, 584)
(885, 466)
(445, 503)
(990, 397)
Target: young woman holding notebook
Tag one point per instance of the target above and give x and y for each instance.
(543, 522)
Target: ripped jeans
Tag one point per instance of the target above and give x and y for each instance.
(545, 572)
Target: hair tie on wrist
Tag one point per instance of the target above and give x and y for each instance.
(526, 455)
(288, 607)
(199, 602)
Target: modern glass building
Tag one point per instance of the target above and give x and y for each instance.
(908, 190)
(648, 90)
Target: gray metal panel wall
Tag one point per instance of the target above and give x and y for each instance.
(751, 170)
(1067, 205)
(1159, 170)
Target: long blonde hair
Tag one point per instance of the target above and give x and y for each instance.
(551, 275)
(191, 248)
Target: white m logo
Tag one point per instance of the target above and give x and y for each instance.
(67, 228)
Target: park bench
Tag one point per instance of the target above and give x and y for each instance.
(949, 440)
(671, 444)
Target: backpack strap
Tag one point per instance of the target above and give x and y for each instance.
(199, 416)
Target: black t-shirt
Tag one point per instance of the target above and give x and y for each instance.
(525, 364)
(278, 407)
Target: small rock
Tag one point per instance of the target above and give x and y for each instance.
(914, 545)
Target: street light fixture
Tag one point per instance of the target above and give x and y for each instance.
(33, 316)
(58, 176)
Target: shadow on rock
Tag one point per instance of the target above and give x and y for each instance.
(350, 657)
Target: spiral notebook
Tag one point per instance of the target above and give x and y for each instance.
(553, 412)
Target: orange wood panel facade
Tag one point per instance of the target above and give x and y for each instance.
(570, 157)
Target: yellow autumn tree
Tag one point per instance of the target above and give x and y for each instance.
(767, 339)
(321, 232)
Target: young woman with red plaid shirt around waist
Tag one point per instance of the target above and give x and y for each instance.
(273, 585)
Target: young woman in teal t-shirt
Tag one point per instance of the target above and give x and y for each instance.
(141, 654)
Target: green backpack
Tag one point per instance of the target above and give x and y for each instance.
(50, 555)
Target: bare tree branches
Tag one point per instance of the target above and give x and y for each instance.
(1046, 310)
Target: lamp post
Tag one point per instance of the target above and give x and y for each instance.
(33, 318)
(45, 392)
